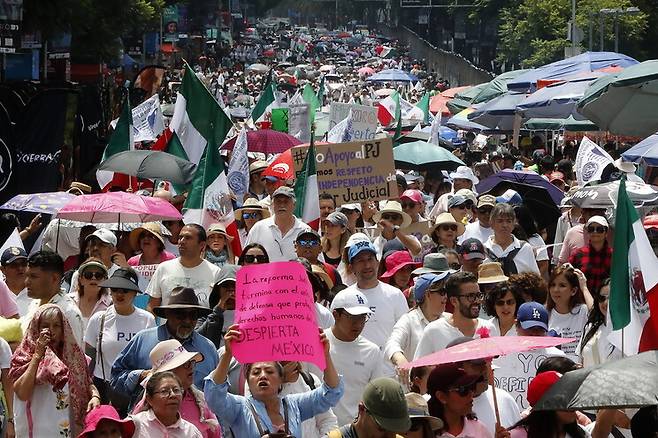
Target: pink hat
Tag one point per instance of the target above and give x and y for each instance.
(106, 412)
(413, 195)
(396, 261)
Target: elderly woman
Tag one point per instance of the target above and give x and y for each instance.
(218, 248)
(265, 410)
(160, 413)
(90, 296)
(147, 240)
(52, 387)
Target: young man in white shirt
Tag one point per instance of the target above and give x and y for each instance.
(277, 233)
(503, 243)
(13, 266)
(481, 228)
(187, 270)
(465, 296)
(386, 302)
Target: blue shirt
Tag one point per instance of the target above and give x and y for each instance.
(134, 358)
(234, 410)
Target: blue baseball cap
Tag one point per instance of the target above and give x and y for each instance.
(11, 254)
(511, 197)
(425, 281)
(532, 314)
(359, 247)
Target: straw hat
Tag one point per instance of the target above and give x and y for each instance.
(218, 228)
(393, 207)
(491, 272)
(151, 227)
(317, 270)
(418, 409)
(252, 204)
(447, 219)
(170, 354)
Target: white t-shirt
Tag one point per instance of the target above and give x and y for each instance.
(439, 333)
(171, 247)
(118, 330)
(483, 407)
(524, 260)
(474, 230)
(325, 318)
(496, 330)
(23, 303)
(5, 354)
(569, 325)
(172, 274)
(539, 247)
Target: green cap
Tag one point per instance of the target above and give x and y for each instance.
(385, 402)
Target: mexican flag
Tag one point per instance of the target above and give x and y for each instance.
(201, 127)
(387, 109)
(120, 141)
(424, 106)
(306, 192)
(265, 104)
(634, 282)
(312, 100)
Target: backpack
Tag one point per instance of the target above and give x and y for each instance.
(506, 262)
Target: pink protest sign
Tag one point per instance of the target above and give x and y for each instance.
(275, 309)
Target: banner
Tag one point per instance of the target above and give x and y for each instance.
(275, 309)
(353, 172)
(298, 122)
(364, 119)
(590, 162)
(148, 122)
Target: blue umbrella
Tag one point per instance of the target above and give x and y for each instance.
(556, 101)
(520, 177)
(393, 75)
(498, 113)
(47, 203)
(646, 150)
(588, 61)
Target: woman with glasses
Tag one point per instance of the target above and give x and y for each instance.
(502, 302)
(451, 392)
(90, 296)
(110, 331)
(595, 258)
(250, 213)
(431, 298)
(445, 232)
(160, 414)
(253, 254)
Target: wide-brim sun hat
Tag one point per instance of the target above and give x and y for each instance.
(182, 298)
(106, 412)
(152, 228)
(393, 207)
(170, 354)
(252, 204)
(447, 219)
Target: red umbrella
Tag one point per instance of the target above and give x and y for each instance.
(366, 71)
(266, 141)
(281, 167)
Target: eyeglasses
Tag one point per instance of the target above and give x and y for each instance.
(472, 297)
(603, 298)
(355, 318)
(449, 227)
(510, 302)
(596, 230)
(464, 390)
(253, 215)
(260, 258)
(308, 243)
(166, 392)
(185, 314)
(391, 216)
(408, 204)
(485, 210)
(189, 364)
(98, 275)
(441, 292)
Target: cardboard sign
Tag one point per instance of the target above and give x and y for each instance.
(299, 122)
(353, 172)
(275, 309)
(364, 119)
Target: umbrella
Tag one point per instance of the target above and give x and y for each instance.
(282, 167)
(420, 155)
(463, 99)
(151, 164)
(258, 68)
(624, 103)
(327, 68)
(557, 101)
(496, 87)
(568, 124)
(605, 195)
(522, 177)
(47, 203)
(392, 75)
(266, 141)
(585, 62)
(366, 71)
(460, 121)
(383, 92)
(118, 207)
(631, 382)
(646, 150)
(499, 112)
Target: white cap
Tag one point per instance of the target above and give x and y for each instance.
(353, 301)
(465, 172)
(350, 207)
(105, 236)
(598, 220)
(356, 238)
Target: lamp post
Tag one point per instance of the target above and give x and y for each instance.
(615, 12)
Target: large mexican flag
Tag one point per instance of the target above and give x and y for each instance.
(634, 281)
(306, 191)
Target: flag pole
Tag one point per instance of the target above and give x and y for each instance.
(493, 391)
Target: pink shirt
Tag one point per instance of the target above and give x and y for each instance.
(574, 239)
(147, 425)
(8, 307)
(472, 429)
(164, 256)
(190, 412)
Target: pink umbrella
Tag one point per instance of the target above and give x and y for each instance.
(118, 207)
(366, 71)
(266, 141)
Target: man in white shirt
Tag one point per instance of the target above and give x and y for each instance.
(503, 247)
(188, 270)
(386, 302)
(102, 244)
(358, 360)
(481, 228)
(465, 296)
(277, 233)
(14, 267)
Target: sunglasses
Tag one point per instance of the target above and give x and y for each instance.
(98, 275)
(250, 258)
(596, 230)
(308, 243)
(254, 215)
(510, 302)
(391, 217)
(449, 227)
(464, 390)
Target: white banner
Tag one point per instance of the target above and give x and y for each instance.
(590, 161)
(364, 119)
(238, 168)
(299, 125)
(148, 123)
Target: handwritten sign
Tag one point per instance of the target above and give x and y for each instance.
(353, 172)
(364, 119)
(275, 309)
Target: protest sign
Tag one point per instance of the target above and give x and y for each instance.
(279, 119)
(299, 125)
(353, 172)
(275, 309)
(148, 122)
(364, 119)
(590, 161)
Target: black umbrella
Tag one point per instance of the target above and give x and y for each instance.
(631, 382)
(151, 164)
(537, 199)
(605, 195)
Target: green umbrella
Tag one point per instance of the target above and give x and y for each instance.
(624, 103)
(463, 100)
(496, 87)
(421, 155)
(568, 124)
